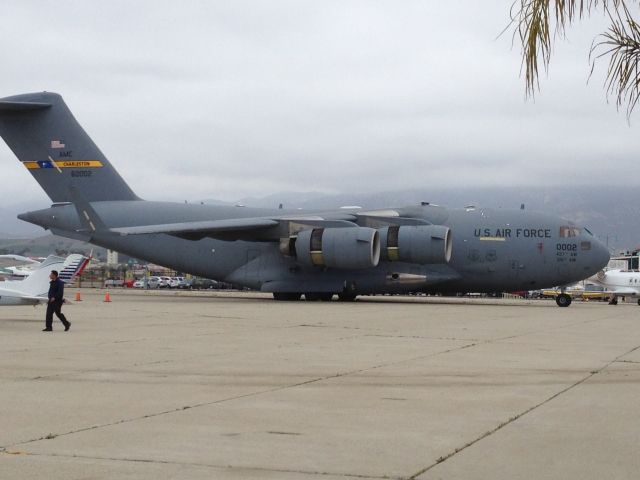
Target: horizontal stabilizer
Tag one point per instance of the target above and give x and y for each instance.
(9, 106)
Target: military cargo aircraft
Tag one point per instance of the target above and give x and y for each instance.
(290, 253)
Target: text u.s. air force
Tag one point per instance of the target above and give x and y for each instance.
(513, 232)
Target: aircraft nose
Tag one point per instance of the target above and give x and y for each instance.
(599, 254)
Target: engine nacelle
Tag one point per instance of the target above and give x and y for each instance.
(423, 244)
(347, 248)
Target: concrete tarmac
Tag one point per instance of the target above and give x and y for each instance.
(237, 386)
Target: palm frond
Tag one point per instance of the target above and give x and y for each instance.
(539, 22)
(622, 43)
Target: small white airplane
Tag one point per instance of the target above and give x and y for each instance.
(33, 289)
(619, 282)
(10, 266)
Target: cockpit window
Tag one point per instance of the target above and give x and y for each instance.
(569, 232)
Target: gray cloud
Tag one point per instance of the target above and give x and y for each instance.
(245, 98)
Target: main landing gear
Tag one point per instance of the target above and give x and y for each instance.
(318, 297)
(313, 296)
(347, 297)
(563, 300)
(614, 301)
(286, 296)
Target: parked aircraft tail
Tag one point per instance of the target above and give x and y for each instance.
(37, 284)
(42, 132)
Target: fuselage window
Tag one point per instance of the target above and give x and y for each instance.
(569, 232)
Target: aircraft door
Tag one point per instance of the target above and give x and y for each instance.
(515, 268)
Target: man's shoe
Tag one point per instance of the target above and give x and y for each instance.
(47, 330)
(67, 326)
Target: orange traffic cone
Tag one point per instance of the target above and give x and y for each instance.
(78, 299)
(107, 297)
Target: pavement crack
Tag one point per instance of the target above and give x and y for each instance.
(325, 378)
(213, 466)
(512, 419)
(246, 395)
(422, 337)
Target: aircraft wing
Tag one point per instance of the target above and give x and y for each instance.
(206, 228)
(16, 261)
(623, 292)
(15, 297)
(243, 228)
(377, 221)
(259, 229)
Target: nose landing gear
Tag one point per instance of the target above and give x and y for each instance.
(563, 300)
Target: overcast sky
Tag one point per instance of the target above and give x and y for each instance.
(219, 99)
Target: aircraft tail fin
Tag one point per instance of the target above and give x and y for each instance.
(42, 132)
(73, 266)
(37, 284)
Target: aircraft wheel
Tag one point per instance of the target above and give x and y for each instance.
(639, 301)
(286, 296)
(563, 300)
(347, 297)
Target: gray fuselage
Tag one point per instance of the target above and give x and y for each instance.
(492, 250)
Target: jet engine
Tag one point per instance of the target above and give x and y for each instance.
(423, 244)
(349, 248)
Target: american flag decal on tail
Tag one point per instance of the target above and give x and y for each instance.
(57, 144)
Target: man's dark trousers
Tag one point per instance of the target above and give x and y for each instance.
(54, 307)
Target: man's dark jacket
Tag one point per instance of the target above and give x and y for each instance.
(56, 290)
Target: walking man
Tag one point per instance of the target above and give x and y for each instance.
(56, 294)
